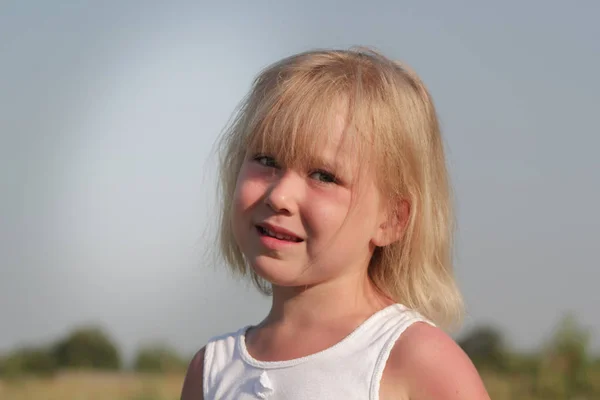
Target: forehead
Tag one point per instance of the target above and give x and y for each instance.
(339, 149)
(322, 133)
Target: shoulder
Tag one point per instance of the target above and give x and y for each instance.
(426, 363)
(218, 351)
(193, 384)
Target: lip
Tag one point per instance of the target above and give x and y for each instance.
(280, 230)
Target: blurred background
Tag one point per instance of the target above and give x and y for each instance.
(108, 114)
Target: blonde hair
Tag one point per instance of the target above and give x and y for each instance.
(393, 115)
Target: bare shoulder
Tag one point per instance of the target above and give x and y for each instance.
(426, 363)
(193, 387)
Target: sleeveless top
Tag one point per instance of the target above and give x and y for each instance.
(350, 369)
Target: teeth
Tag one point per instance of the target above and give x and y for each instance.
(278, 235)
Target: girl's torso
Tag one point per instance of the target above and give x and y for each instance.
(351, 369)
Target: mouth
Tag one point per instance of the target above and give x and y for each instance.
(269, 232)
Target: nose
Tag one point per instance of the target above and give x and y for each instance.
(284, 193)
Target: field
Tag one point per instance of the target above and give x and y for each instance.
(132, 386)
(93, 386)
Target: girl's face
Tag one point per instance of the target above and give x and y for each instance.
(302, 227)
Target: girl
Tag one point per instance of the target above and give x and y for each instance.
(336, 201)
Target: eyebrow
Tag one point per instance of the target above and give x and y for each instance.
(336, 165)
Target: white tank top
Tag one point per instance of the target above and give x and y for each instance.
(350, 369)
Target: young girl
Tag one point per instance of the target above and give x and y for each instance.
(336, 201)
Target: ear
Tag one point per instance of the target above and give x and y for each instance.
(393, 224)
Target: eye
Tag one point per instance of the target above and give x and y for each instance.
(324, 176)
(265, 161)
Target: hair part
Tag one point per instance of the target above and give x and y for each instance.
(289, 112)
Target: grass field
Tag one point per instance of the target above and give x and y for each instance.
(93, 386)
(133, 386)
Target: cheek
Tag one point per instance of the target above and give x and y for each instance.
(347, 221)
(249, 190)
(325, 213)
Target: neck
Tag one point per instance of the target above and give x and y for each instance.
(344, 297)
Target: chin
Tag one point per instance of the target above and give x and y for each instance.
(279, 272)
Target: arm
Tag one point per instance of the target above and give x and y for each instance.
(193, 387)
(426, 364)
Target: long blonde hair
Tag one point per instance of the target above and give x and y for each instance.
(388, 105)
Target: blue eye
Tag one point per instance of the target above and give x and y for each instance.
(266, 161)
(324, 176)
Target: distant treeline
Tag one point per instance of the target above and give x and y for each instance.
(562, 368)
(88, 347)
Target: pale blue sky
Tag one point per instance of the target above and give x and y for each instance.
(108, 111)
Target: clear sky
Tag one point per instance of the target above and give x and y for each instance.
(108, 111)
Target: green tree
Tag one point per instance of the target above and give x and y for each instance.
(594, 376)
(485, 346)
(28, 361)
(88, 347)
(159, 358)
(566, 359)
